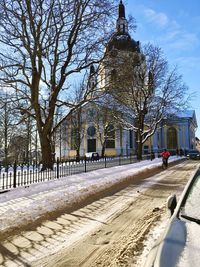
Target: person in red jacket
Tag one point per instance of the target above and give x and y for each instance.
(165, 156)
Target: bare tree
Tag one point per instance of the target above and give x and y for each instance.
(9, 119)
(148, 91)
(76, 118)
(105, 122)
(77, 131)
(45, 43)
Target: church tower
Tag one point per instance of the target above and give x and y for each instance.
(122, 24)
(120, 46)
(121, 39)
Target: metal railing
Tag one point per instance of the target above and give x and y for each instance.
(13, 176)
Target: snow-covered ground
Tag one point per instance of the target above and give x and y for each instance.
(22, 205)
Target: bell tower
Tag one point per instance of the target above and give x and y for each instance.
(122, 24)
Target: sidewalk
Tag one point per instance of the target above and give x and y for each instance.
(21, 206)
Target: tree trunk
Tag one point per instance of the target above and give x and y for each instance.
(77, 155)
(5, 135)
(103, 150)
(139, 147)
(139, 152)
(5, 147)
(47, 153)
(28, 146)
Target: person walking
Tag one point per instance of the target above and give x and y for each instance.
(165, 156)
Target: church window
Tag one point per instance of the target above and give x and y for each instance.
(113, 75)
(75, 138)
(146, 149)
(91, 131)
(109, 134)
(171, 138)
(118, 27)
(158, 136)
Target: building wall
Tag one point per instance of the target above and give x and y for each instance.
(63, 141)
(185, 130)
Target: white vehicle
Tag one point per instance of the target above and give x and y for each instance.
(179, 246)
(92, 155)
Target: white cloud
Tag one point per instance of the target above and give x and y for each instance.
(179, 40)
(189, 62)
(185, 41)
(159, 19)
(172, 34)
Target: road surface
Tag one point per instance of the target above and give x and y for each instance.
(108, 232)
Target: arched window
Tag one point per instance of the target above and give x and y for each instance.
(109, 134)
(75, 138)
(113, 75)
(171, 138)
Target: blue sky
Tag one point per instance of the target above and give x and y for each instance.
(173, 26)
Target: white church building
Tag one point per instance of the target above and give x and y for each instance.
(92, 129)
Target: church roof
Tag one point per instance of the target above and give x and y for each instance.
(185, 114)
(123, 41)
(190, 114)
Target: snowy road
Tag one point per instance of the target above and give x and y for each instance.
(108, 232)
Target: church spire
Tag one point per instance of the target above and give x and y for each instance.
(121, 10)
(122, 24)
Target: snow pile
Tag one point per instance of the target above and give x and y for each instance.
(23, 205)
